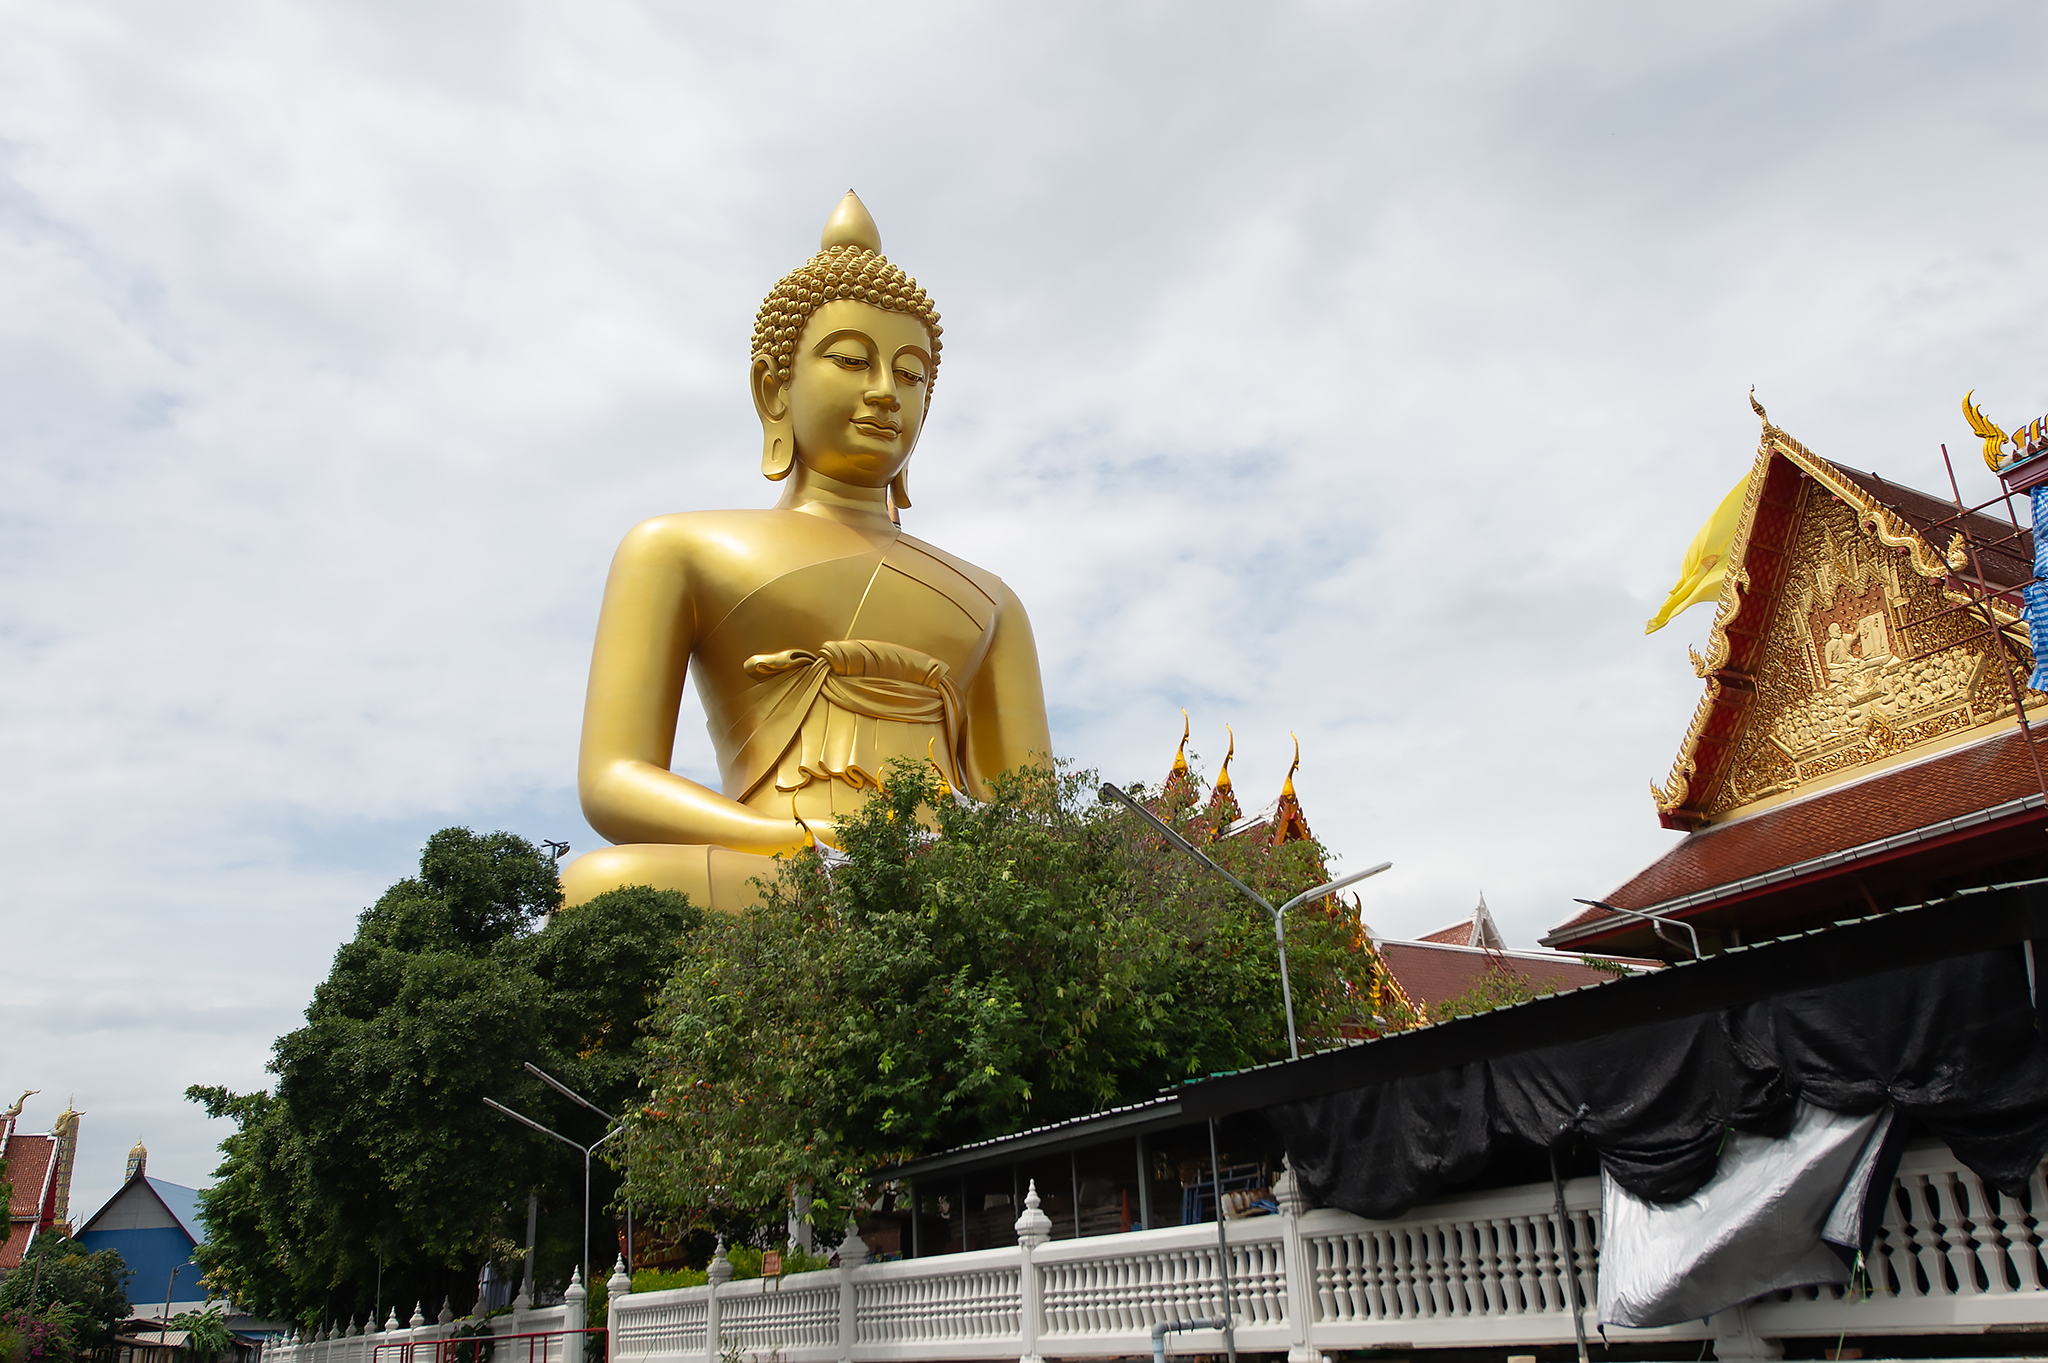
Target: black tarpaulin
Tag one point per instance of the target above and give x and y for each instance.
(1953, 1045)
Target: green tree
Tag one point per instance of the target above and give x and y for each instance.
(82, 1293)
(374, 1155)
(208, 1334)
(973, 969)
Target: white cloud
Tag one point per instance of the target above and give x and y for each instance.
(1355, 370)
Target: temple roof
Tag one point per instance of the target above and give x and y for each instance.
(1915, 809)
(1477, 931)
(1432, 973)
(1857, 710)
(1811, 531)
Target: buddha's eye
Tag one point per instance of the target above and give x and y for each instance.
(845, 361)
(910, 376)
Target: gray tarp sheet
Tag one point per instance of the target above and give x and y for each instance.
(1758, 1225)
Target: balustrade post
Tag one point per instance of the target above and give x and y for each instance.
(716, 1275)
(1294, 1263)
(1736, 1340)
(853, 1252)
(1034, 1228)
(575, 1315)
(616, 1289)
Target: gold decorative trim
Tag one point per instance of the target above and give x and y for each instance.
(1928, 561)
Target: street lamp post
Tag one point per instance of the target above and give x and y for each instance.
(1110, 791)
(573, 1096)
(585, 1150)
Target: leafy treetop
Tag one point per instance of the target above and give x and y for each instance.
(971, 970)
(375, 1150)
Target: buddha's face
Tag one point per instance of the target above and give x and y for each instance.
(856, 391)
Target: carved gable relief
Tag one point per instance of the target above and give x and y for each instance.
(1855, 669)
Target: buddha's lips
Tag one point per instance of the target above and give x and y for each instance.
(880, 428)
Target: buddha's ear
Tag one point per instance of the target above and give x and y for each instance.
(899, 487)
(771, 404)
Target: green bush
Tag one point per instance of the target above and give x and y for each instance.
(971, 970)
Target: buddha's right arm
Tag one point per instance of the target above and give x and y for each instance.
(637, 669)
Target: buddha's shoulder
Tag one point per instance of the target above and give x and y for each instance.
(979, 576)
(695, 536)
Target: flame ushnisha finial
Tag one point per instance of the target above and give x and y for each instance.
(1287, 788)
(851, 225)
(1223, 777)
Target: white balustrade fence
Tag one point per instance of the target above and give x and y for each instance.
(1487, 1269)
(549, 1334)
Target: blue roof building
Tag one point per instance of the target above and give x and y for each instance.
(154, 1225)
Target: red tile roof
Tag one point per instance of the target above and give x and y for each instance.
(28, 1164)
(1905, 799)
(16, 1243)
(1432, 972)
(1457, 934)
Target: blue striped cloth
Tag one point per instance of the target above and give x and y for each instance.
(2037, 591)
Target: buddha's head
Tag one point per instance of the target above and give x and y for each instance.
(845, 351)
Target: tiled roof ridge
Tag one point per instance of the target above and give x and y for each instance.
(1989, 780)
(1544, 955)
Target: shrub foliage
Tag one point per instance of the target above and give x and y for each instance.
(969, 971)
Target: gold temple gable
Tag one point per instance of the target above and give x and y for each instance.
(1834, 644)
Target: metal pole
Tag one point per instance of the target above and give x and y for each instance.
(2019, 703)
(532, 1224)
(1286, 990)
(1565, 1257)
(1144, 1186)
(584, 1150)
(1222, 1246)
(573, 1096)
(1111, 791)
(1655, 920)
(1074, 1180)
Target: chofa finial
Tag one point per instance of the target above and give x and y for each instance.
(1180, 757)
(1223, 776)
(851, 225)
(1287, 788)
(1993, 436)
(1758, 407)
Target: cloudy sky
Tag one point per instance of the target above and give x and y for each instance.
(1356, 370)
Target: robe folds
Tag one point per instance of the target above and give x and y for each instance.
(878, 650)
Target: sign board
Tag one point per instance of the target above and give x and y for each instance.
(771, 1264)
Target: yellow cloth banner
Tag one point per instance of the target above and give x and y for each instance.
(1706, 560)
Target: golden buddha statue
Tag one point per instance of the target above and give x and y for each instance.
(824, 640)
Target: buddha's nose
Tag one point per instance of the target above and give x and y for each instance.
(883, 395)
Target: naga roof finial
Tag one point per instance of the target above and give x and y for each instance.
(1287, 787)
(1223, 776)
(1984, 426)
(1180, 758)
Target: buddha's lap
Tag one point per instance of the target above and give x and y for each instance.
(713, 877)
